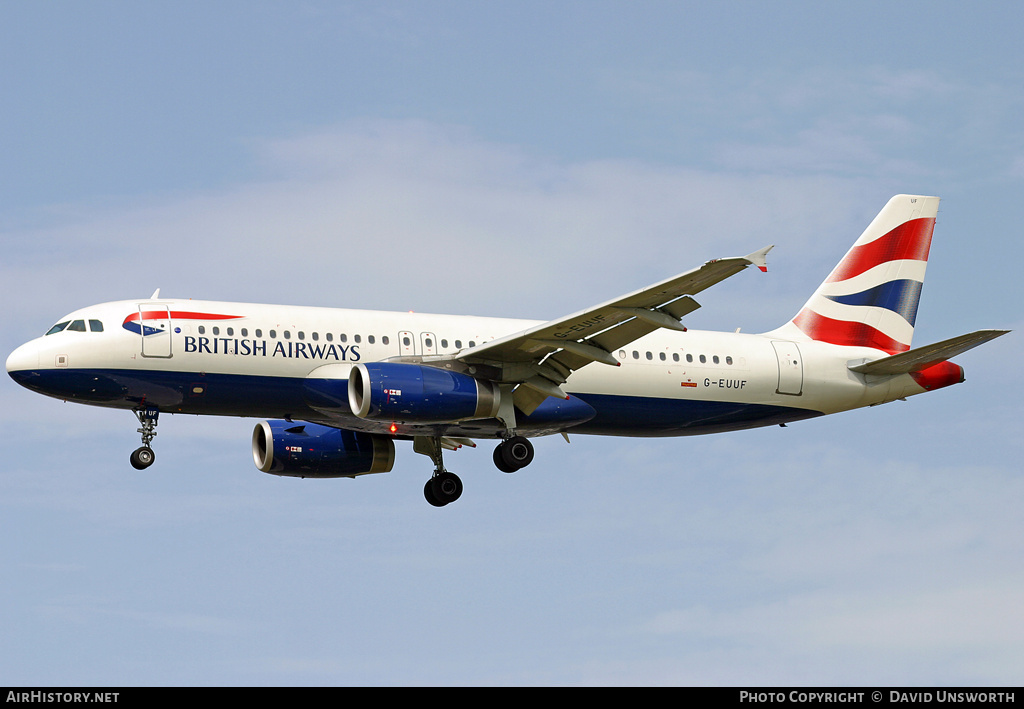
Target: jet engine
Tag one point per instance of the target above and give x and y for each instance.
(308, 450)
(392, 391)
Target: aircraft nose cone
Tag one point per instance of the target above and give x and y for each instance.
(23, 359)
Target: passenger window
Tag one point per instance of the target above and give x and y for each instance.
(458, 343)
(661, 356)
(259, 332)
(343, 338)
(728, 360)
(302, 335)
(96, 326)
(715, 359)
(77, 326)
(689, 358)
(675, 356)
(444, 344)
(385, 340)
(357, 338)
(58, 327)
(316, 337)
(636, 355)
(703, 359)
(330, 337)
(370, 339)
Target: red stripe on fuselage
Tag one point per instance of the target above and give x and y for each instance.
(179, 315)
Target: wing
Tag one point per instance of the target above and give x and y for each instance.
(543, 357)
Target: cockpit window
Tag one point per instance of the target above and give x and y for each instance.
(76, 326)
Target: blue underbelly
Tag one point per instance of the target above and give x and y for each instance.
(283, 397)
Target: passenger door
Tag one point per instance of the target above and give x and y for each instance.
(155, 325)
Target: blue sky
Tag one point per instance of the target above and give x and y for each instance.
(512, 159)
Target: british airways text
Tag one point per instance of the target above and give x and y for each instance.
(263, 348)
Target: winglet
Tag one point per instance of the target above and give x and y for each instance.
(758, 257)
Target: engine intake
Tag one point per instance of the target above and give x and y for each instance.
(394, 391)
(308, 450)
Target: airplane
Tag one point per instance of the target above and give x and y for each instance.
(339, 387)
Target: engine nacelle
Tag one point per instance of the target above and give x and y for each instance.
(307, 450)
(392, 391)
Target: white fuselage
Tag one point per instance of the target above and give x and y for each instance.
(239, 359)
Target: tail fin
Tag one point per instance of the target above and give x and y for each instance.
(870, 298)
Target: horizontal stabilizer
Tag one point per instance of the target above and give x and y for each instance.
(921, 358)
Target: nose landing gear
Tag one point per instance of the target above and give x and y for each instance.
(143, 457)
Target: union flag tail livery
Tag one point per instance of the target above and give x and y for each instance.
(344, 386)
(870, 299)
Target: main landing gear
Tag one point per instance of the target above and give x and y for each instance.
(512, 454)
(443, 487)
(143, 457)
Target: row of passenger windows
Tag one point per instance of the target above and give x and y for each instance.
(287, 334)
(428, 342)
(662, 356)
(329, 337)
(76, 326)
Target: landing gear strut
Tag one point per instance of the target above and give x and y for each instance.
(513, 453)
(143, 457)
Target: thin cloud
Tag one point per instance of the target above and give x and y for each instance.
(418, 216)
